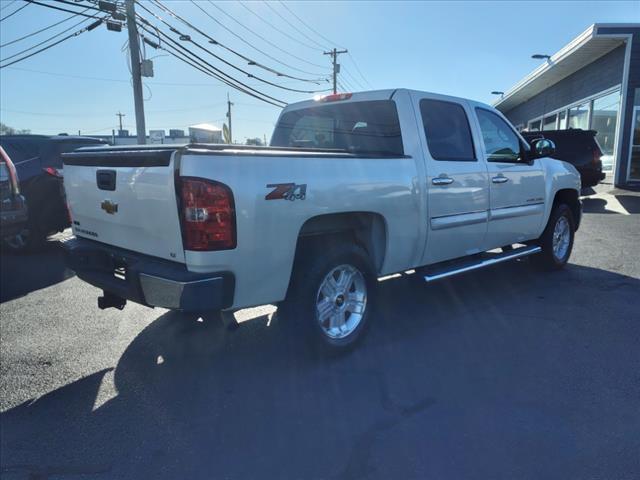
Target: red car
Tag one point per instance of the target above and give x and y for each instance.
(13, 208)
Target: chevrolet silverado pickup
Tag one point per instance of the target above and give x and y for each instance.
(351, 188)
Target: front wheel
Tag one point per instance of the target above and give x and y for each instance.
(557, 239)
(331, 295)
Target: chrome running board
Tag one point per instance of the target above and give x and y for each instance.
(469, 266)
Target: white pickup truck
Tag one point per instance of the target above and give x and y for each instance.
(353, 187)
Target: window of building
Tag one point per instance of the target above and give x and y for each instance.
(604, 118)
(447, 130)
(634, 166)
(534, 126)
(579, 116)
(562, 120)
(549, 123)
(501, 144)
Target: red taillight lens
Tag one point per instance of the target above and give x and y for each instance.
(335, 97)
(52, 171)
(208, 215)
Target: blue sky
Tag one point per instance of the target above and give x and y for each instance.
(460, 48)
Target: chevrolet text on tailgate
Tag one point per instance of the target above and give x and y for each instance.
(353, 187)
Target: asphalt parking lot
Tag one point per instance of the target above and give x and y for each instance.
(502, 373)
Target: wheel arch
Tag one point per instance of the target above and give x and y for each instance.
(571, 198)
(367, 229)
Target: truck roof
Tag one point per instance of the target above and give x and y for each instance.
(385, 94)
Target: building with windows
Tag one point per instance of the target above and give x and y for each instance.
(591, 83)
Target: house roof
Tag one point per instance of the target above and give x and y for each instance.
(581, 51)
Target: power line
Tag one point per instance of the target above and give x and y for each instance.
(352, 78)
(14, 12)
(44, 41)
(61, 9)
(38, 31)
(353, 60)
(212, 40)
(250, 75)
(198, 64)
(309, 26)
(89, 7)
(265, 39)
(322, 47)
(277, 29)
(251, 45)
(118, 80)
(8, 4)
(74, 34)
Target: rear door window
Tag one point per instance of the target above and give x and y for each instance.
(447, 130)
(359, 127)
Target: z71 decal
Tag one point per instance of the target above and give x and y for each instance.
(287, 191)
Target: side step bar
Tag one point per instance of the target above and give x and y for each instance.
(481, 263)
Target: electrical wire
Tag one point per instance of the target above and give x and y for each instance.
(74, 34)
(352, 78)
(264, 39)
(277, 29)
(358, 69)
(44, 41)
(78, 4)
(215, 42)
(256, 48)
(61, 9)
(198, 64)
(248, 74)
(14, 12)
(8, 4)
(38, 31)
(309, 26)
(322, 47)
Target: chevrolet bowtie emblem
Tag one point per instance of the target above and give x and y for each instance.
(109, 207)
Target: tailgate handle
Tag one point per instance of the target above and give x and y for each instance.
(106, 179)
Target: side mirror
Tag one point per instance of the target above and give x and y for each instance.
(544, 148)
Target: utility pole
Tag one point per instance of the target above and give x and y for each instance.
(134, 53)
(120, 115)
(229, 117)
(336, 66)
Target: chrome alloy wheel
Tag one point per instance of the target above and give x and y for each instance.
(341, 301)
(561, 238)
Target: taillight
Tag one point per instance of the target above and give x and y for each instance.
(53, 172)
(208, 215)
(596, 156)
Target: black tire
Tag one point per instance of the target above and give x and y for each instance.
(313, 266)
(547, 259)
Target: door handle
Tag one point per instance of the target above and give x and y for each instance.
(442, 180)
(499, 179)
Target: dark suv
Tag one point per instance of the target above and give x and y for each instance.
(578, 147)
(38, 162)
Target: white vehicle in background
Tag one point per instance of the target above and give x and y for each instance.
(353, 186)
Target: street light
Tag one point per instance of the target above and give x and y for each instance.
(496, 92)
(538, 56)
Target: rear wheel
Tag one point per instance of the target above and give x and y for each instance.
(557, 239)
(331, 295)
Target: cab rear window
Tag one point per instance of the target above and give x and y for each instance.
(358, 127)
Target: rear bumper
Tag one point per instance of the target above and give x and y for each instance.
(147, 280)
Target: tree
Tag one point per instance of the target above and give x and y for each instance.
(7, 130)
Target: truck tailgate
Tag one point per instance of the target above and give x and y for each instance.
(125, 198)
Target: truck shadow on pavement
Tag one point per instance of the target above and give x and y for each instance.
(23, 273)
(495, 374)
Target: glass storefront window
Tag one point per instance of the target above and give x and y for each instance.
(549, 123)
(603, 120)
(579, 117)
(562, 124)
(534, 126)
(634, 167)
